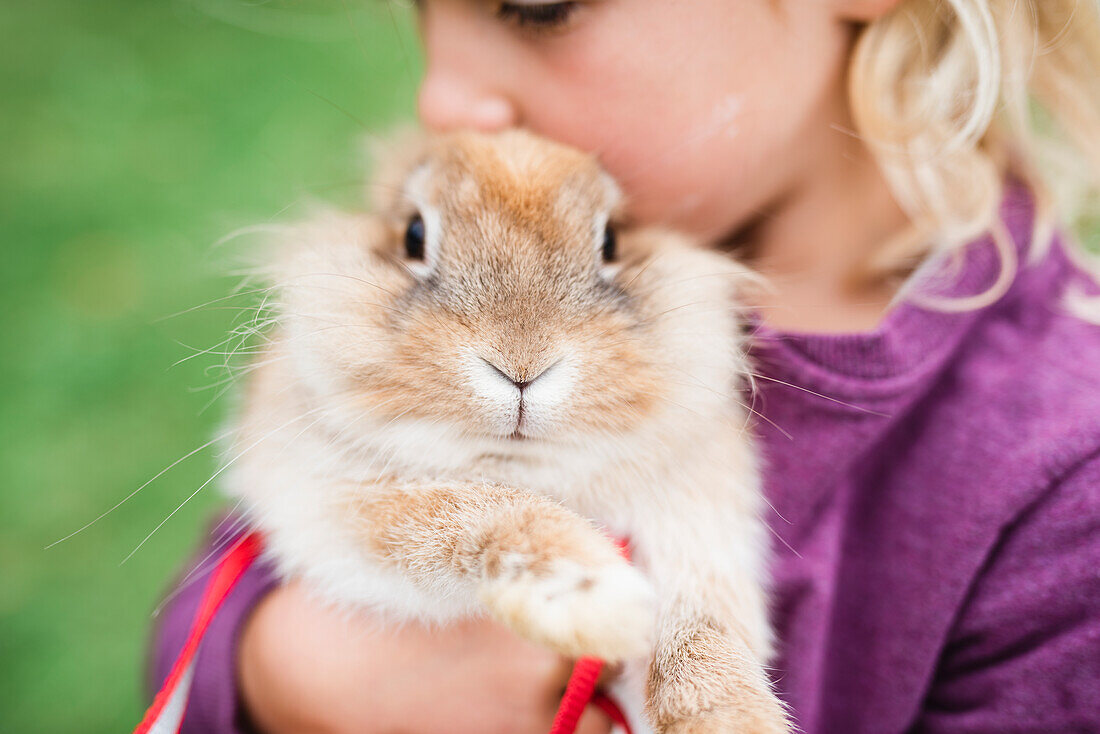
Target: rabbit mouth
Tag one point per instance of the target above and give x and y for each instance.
(521, 403)
(521, 416)
(520, 431)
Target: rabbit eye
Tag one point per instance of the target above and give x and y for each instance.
(609, 245)
(414, 238)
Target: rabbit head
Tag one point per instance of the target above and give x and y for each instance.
(493, 298)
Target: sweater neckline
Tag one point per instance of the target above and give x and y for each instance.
(911, 339)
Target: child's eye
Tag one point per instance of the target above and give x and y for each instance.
(537, 16)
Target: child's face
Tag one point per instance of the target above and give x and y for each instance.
(707, 111)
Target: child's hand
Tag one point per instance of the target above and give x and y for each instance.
(304, 667)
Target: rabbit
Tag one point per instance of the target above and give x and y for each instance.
(468, 392)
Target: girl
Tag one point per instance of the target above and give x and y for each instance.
(930, 401)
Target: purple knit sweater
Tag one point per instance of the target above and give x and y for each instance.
(936, 494)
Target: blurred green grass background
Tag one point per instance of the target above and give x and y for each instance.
(133, 135)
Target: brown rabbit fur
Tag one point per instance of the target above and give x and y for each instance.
(437, 437)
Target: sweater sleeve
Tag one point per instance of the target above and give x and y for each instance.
(213, 706)
(1024, 654)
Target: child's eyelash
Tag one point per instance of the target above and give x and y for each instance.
(543, 16)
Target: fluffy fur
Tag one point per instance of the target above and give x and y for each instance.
(390, 457)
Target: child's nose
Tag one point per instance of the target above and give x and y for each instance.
(468, 72)
(447, 102)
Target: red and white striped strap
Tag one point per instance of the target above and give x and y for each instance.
(165, 714)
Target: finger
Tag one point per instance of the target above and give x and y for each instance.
(593, 721)
(610, 672)
(557, 675)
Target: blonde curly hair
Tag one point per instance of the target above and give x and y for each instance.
(952, 95)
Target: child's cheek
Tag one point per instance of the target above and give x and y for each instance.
(692, 174)
(671, 156)
(703, 111)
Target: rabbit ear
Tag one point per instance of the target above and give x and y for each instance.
(391, 158)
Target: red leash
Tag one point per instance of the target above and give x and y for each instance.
(165, 714)
(579, 691)
(581, 688)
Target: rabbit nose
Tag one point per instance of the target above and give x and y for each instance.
(521, 384)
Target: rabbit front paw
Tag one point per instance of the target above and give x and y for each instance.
(605, 611)
(701, 681)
